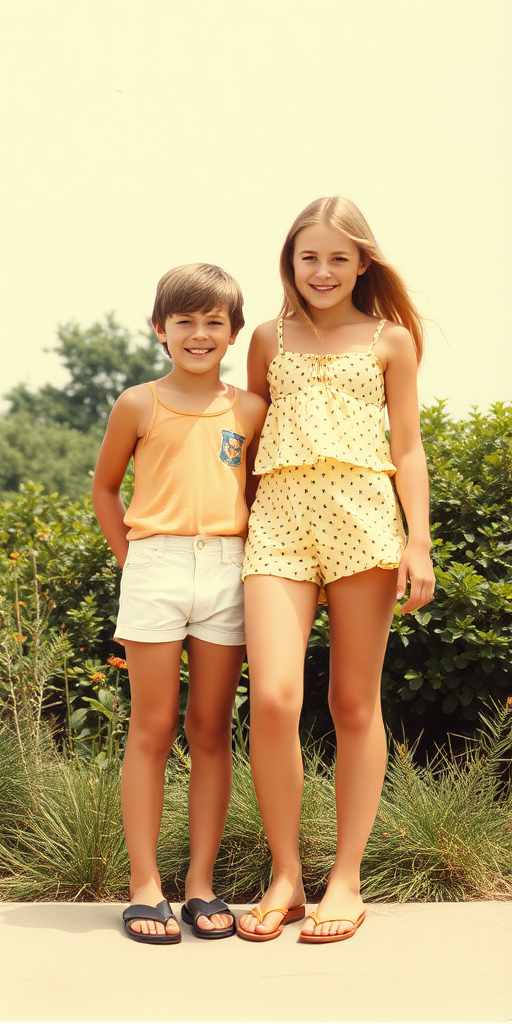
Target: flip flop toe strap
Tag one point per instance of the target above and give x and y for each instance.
(197, 908)
(256, 911)
(140, 911)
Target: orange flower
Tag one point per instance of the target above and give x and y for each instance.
(508, 702)
(19, 637)
(116, 662)
(22, 604)
(98, 677)
(15, 555)
(43, 536)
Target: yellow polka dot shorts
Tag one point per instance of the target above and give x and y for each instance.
(322, 522)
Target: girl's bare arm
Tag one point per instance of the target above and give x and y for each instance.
(408, 456)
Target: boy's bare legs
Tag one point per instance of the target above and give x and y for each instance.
(279, 616)
(154, 671)
(214, 673)
(360, 612)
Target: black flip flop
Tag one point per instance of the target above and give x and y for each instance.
(196, 908)
(162, 913)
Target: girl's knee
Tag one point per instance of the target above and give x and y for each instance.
(352, 713)
(276, 707)
(153, 737)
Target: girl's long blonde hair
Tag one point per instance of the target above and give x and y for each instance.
(380, 291)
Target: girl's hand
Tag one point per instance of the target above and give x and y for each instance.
(416, 567)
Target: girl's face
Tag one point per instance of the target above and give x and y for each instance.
(326, 265)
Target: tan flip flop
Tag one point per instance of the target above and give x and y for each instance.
(333, 938)
(293, 914)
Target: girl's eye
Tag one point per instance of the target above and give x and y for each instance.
(308, 258)
(340, 259)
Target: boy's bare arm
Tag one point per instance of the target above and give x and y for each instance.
(115, 453)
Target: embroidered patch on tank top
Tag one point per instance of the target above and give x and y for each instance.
(231, 448)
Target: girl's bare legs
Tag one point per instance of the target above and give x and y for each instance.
(279, 616)
(214, 673)
(360, 613)
(154, 671)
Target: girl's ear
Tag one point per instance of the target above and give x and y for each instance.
(365, 263)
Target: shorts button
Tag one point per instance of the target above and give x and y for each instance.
(200, 543)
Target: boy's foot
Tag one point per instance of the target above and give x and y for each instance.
(151, 895)
(339, 910)
(281, 893)
(214, 922)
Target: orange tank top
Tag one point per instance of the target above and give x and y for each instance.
(189, 474)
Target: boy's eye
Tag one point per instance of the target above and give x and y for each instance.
(217, 323)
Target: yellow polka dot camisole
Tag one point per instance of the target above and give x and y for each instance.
(325, 505)
(325, 406)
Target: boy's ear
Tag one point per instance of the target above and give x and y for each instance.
(234, 337)
(160, 333)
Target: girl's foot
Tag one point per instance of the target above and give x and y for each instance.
(217, 922)
(285, 892)
(151, 895)
(339, 909)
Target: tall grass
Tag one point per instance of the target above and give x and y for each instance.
(443, 831)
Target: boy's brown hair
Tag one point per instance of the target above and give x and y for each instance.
(198, 287)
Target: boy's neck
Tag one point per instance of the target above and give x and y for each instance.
(200, 384)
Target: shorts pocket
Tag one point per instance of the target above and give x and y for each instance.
(139, 559)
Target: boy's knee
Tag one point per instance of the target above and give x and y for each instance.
(207, 736)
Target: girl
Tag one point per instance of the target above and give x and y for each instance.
(347, 342)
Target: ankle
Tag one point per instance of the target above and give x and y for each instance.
(341, 879)
(144, 881)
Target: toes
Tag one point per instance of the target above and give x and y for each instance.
(172, 927)
(309, 927)
(205, 923)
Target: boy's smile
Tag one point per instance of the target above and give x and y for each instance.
(197, 341)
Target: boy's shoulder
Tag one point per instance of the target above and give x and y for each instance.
(137, 395)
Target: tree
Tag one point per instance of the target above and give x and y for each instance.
(102, 361)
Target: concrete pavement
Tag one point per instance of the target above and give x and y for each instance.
(408, 962)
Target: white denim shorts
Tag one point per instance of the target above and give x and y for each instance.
(173, 587)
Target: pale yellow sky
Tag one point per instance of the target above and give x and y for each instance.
(140, 134)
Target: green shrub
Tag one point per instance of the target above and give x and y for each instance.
(443, 660)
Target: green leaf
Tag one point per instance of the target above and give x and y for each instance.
(450, 703)
(95, 704)
(78, 718)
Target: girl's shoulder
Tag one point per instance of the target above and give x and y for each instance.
(394, 345)
(266, 332)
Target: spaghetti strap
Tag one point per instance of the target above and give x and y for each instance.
(376, 336)
(280, 335)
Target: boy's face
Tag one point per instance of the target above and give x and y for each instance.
(197, 341)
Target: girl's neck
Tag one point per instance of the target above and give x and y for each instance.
(337, 316)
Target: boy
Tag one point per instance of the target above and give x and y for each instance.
(180, 543)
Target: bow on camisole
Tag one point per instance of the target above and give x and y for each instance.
(325, 407)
